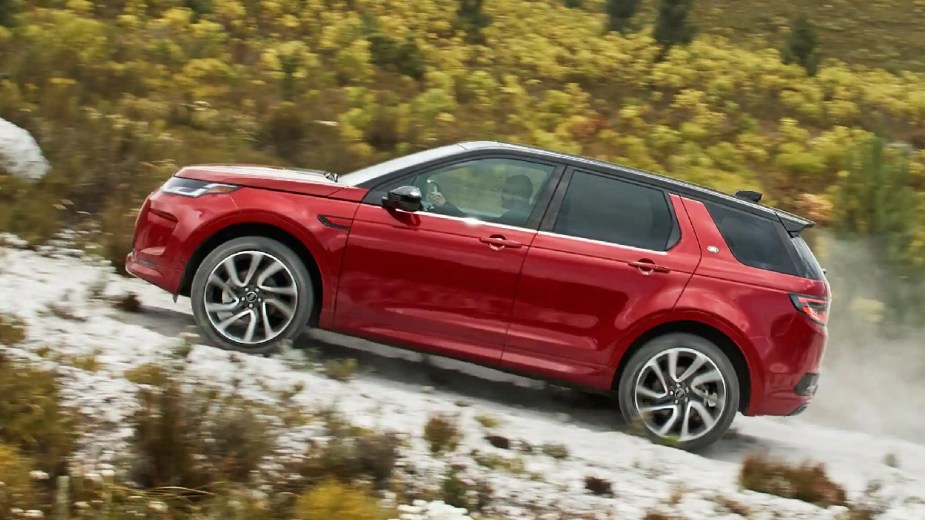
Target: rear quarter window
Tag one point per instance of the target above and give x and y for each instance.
(756, 241)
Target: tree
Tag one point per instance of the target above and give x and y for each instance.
(619, 13)
(674, 25)
(472, 18)
(801, 45)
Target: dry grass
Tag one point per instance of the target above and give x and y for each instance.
(17, 489)
(488, 421)
(555, 450)
(12, 330)
(341, 369)
(335, 500)
(195, 437)
(32, 418)
(351, 455)
(442, 433)
(807, 482)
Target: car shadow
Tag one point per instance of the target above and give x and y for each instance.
(466, 383)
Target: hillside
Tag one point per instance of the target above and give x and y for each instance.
(121, 94)
(876, 33)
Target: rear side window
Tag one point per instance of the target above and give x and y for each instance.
(809, 262)
(755, 241)
(611, 210)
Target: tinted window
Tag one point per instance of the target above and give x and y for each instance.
(615, 211)
(498, 190)
(754, 241)
(811, 267)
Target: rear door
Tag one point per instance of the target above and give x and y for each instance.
(444, 278)
(610, 253)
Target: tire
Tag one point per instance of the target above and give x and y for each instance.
(274, 305)
(712, 388)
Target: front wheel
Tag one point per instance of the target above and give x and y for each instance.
(681, 389)
(251, 293)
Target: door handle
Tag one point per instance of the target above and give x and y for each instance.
(648, 266)
(498, 242)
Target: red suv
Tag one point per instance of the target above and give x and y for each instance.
(688, 304)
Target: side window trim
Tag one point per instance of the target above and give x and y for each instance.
(374, 195)
(548, 223)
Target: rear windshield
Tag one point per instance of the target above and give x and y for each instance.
(764, 243)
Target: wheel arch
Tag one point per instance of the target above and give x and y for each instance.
(264, 229)
(699, 328)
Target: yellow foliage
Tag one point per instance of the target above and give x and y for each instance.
(332, 499)
(17, 488)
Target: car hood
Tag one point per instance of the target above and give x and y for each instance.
(308, 182)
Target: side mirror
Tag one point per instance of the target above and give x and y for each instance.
(404, 198)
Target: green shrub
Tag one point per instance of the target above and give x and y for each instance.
(460, 490)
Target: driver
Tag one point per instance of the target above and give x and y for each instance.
(515, 199)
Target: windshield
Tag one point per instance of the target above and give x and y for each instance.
(358, 177)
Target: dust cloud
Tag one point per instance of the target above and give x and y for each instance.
(872, 380)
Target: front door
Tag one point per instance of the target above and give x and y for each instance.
(444, 278)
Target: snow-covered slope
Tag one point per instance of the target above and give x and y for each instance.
(395, 390)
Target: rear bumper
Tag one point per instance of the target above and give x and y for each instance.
(791, 366)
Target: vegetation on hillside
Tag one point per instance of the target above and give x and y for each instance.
(121, 94)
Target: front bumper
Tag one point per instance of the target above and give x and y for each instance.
(151, 272)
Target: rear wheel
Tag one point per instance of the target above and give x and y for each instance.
(251, 293)
(681, 389)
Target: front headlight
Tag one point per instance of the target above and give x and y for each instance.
(195, 188)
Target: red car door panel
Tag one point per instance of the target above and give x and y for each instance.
(443, 278)
(577, 297)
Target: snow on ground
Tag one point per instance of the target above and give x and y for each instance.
(395, 390)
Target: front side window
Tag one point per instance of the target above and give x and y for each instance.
(497, 190)
(610, 210)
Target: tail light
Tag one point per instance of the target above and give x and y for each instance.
(815, 307)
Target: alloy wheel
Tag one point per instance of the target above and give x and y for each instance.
(680, 393)
(250, 297)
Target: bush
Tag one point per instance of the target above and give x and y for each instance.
(332, 499)
(461, 490)
(16, 489)
(32, 418)
(807, 482)
(12, 330)
(442, 433)
(598, 486)
(555, 450)
(340, 369)
(195, 437)
(351, 457)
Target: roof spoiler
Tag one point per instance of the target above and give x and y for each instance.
(792, 223)
(751, 196)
